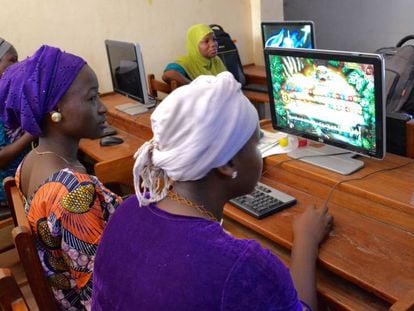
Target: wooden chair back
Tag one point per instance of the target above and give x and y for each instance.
(11, 221)
(13, 196)
(155, 86)
(116, 172)
(26, 248)
(11, 297)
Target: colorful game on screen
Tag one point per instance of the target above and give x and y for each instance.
(331, 100)
(288, 34)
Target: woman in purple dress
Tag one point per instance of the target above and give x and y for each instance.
(164, 247)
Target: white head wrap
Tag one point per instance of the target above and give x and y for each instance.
(4, 47)
(198, 127)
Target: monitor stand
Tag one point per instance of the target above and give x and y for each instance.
(343, 164)
(132, 108)
(152, 102)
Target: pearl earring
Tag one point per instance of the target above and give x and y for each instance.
(234, 175)
(56, 117)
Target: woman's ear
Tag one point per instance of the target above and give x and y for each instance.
(228, 170)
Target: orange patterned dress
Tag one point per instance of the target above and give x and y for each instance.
(67, 215)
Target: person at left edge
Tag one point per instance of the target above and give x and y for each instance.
(14, 144)
(53, 95)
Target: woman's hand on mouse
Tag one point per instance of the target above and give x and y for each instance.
(313, 225)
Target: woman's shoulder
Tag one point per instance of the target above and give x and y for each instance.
(72, 178)
(73, 192)
(176, 67)
(72, 181)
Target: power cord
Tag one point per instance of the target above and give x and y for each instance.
(342, 181)
(362, 177)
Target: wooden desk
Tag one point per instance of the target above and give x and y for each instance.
(134, 130)
(255, 74)
(139, 125)
(368, 261)
(98, 153)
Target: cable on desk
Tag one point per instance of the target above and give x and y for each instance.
(342, 181)
(362, 177)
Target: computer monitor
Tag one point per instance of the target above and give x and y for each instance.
(289, 34)
(332, 97)
(127, 70)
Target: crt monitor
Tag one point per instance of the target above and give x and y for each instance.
(289, 34)
(127, 70)
(331, 97)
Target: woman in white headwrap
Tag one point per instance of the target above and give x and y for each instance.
(165, 247)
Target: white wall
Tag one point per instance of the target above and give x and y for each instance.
(81, 26)
(355, 25)
(272, 10)
(263, 10)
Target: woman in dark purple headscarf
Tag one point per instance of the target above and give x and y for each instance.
(54, 95)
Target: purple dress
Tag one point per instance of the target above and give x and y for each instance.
(149, 259)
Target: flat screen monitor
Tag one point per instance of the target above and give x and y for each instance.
(289, 34)
(335, 98)
(127, 70)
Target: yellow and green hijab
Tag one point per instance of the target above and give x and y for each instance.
(194, 63)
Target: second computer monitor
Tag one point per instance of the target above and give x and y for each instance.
(127, 69)
(289, 34)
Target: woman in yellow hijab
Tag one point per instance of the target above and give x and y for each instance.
(201, 58)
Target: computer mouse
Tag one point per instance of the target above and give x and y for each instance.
(110, 141)
(108, 130)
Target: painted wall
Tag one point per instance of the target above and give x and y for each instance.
(263, 10)
(159, 26)
(355, 25)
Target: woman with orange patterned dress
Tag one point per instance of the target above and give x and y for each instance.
(53, 95)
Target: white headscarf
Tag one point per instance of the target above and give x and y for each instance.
(198, 127)
(4, 47)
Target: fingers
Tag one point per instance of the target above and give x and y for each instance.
(323, 209)
(327, 217)
(329, 220)
(328, 223)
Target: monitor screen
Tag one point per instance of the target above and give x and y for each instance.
(328, 96)
(289, 34)
(127, 69)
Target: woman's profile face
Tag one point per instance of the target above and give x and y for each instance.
(208, 46)
(8, 59)
(83, 114)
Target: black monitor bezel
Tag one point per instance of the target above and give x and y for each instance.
(289, 24)
(138, 56)
(367, 58)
